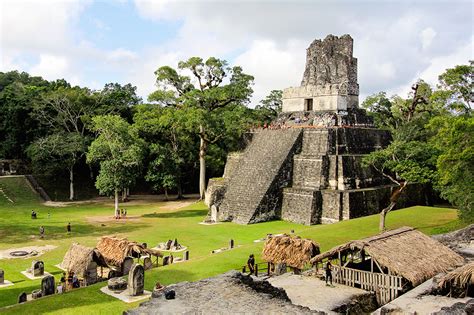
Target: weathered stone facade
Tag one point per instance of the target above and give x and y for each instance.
(329, 80)
(311, 170)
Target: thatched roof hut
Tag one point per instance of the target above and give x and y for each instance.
(457, 283)
(293, 251)
(115, 249)
(79, 259)
(403, 252)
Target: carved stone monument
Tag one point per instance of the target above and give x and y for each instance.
(136, 280)
(126, 265)
(22, 297)
(147, 263)
(117, 284)
(47, 286)
(37, 268)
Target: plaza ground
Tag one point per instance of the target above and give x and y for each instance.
(156, 221)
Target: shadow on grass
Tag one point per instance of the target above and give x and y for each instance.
(178, 214)
(20, 233)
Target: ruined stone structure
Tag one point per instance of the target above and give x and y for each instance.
(310, 171)
(329, 80)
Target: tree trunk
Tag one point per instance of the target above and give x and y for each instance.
(116, 202)
(180, 191)
(383, 214)
(71, 183)
(393, 201)
(202, 164)
(166, 194)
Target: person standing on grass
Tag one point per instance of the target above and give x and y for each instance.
(68, 228)
(328, 273)
(41, 232)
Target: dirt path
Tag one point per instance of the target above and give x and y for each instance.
(170, 206)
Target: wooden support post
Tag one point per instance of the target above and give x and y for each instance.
(339, 257)
(268, 269)
(256, 270)
(371, 265)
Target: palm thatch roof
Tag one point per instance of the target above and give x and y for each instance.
(293, 251)
(78, 258)
(115, 249)
(404, 252)
(457, 283)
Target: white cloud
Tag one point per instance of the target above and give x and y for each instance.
(427, 35)
(121, 54)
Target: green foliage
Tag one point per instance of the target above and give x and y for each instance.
(18, 93)
(380, 107)
(270, 106)
(119, 152)
(57, 151)
(213, 95)
(457, 86)
(454, 137)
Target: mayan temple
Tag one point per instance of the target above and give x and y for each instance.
(308, 167)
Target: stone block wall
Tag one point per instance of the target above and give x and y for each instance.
(253, 191)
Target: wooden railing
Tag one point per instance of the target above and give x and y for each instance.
(385, 286)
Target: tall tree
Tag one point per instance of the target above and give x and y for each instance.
(119, 152)
(204, 92)
(171, 144)
(58, 151)
(64, 112)
(269, 108)
(409, 158)
(456, 89)
(454, 137)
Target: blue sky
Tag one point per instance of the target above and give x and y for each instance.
(91, 43)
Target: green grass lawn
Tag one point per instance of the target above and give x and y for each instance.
(156, 224)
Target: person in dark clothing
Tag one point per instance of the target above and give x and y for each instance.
(68, 228)
(328, 273)
(251, 263)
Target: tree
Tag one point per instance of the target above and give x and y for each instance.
(18, 129)
(204, 92)
(270, 106)
(119, 152)
(117, 99)
(454, 137)
(58, 151)
(64, 112)
(409, 158)
(403, 162)
(379, 106)
(171, 144)
(456, 86)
